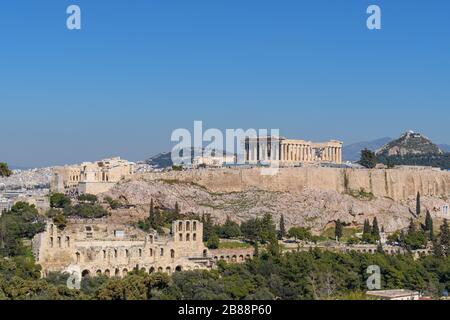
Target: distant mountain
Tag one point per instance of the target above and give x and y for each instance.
(409, 143)
(444, 147)
(352, 152)
(160, 161)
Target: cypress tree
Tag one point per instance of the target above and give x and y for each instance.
(411, 227)
(338, 229)
(367, 229)
(282, 231)
(429, 225)
(375, 229)
(418, 204)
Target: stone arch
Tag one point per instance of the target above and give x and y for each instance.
(168, 270)
(160, 269)
(77, 257)
(234, 258)
(99, 272)
(205, 253)
(241, 258)
(161, 252)
(222, 258)
(117, 272)
(151, 252)
(188, 226)
(85, 273)
(140, 252)
(178, 269)
(194, 226)
(124, 272)
(188, 237)
(107, 273)
(247, 256)
(151, 270)
(180, 226)
(172, 253)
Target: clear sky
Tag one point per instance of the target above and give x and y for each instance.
(139, 69)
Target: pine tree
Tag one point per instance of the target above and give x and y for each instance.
(282, 230)
(338, 229)
(418, 204)
(375, 229)
(429, 225)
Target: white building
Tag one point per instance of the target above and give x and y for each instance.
(5, 205)
(396, 294)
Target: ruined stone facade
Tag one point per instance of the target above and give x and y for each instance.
(97, 247)
(291, 152)
(92, 178)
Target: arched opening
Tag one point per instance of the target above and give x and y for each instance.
(151, 238)
(205, 253)
(104, 254)
(194, 237)
(247, 256)
(107, 272)
(188, 237)
(140, 252)
(234, 258)
(188, 226)
(194, 226)
(241, 258)
(117, 272)
(178, 269)
(180, 236)
(127, 253)
(180, 226)
(161, 252)
(151, 252)
(160, 269)
(77, 255)
(85, 273)
(151, 270)
(99, 272)
(172, 253)
(124, 272)
(68, 241)
(222, 258)
(168, 270)
(115, 253)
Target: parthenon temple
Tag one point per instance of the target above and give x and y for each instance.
(291, 152)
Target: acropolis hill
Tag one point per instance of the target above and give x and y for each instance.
(310, 196)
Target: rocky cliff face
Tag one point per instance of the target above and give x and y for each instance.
(313, 197)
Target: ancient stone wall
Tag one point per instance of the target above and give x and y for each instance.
(397, 184)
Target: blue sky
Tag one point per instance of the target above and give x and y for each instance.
(140, 69)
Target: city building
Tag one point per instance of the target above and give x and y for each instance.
(291, 152)
(213, 161)
(5, 205)
(92, 178)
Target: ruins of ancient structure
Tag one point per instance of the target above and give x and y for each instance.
(291, 152)
(100, 248)
(92, 178)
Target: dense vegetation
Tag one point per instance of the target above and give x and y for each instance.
(434, 160)
(22, 221)
(271, 274)
(87, 207)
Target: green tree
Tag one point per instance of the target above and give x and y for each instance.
(59, 200)
(282, 228)
(368, 159)
(4, 170)
(213, 241)
(367, 229)
(418, 204)
(338, 229)
(299, 233)
(208, 226)
(229, 229)
(429, 225)
(444, 238)
(375, 229)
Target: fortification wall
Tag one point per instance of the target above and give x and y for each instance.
(397, 184)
